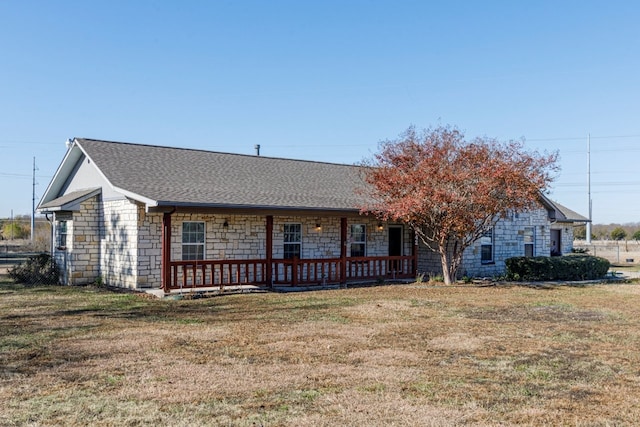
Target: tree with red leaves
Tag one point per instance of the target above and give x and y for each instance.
(452, 191)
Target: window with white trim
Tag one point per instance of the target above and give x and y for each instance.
(193, 238)
(62, 235)
(292, 240)
(486, 247)
(529, 241)
(358, 240)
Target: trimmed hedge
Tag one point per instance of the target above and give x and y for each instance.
(568, 267)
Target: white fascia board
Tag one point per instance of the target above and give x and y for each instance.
(60, 176)
(149, 203)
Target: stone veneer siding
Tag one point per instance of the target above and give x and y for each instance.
(244, 237)
(121, 243)
(101, 244)
(149, 250)
(79, 261)
(118, 243)
(508, 241)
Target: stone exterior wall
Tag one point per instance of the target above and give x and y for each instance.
(244, 236)
(428, 261)
(508, 241)
(121, 243)
(118, 231)
(118, 242)
(149, 250)
(79, 261)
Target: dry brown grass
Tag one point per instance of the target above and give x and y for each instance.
(389, 355)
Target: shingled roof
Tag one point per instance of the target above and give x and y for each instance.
(560, 213)
(564, 214)
(69, 201)
(166, 176)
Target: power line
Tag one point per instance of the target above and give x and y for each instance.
(550, 139)
(580, 138)
(582, 184)
(22, 176)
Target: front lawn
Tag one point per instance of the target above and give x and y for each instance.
(388, 355)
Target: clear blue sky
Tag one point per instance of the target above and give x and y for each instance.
(324, 81)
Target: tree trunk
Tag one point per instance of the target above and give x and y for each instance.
(448, 273)
(450, 262)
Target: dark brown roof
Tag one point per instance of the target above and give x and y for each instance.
(186, 177)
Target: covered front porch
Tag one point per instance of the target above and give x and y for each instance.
(357, 261)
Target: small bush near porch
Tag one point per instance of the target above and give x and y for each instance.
(402, 355)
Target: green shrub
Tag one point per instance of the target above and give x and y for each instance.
(570, 267)
(618, 233)
(38, 270)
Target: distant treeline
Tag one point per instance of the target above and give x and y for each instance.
(19, 228)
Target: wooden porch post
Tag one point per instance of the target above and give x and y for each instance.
(269, 250)
(343, 250)
(294, 271)
(166, 251)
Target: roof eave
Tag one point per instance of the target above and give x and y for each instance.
(71, 205)
(55, 184)
(163, 204)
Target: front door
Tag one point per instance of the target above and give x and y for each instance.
(556, 243)
(395, 246)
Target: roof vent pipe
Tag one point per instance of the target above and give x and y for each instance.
(257, 147)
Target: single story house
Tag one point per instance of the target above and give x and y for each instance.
(142, 216)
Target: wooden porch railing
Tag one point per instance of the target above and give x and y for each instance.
(217, 273)
(293, 272)
(386, 267)
(306, 271)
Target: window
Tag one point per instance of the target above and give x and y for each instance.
(192, 241)
(358, 240)
(486, 247)
(62, 235)
(292, 240)
(529, 241)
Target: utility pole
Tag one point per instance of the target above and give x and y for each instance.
(33, 204)
(588, 236)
